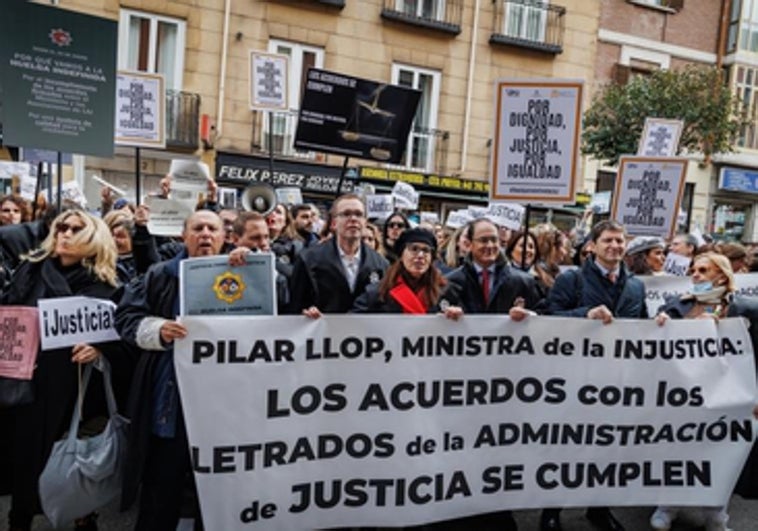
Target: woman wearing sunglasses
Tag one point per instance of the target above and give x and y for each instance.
(393, 228)
(78, 257)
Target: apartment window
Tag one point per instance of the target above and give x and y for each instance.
(746, 87)
(429, 9)
(749, 26)
(152, 43)
(734, 26)
(526, 20)
(419, 153)
(283, 124)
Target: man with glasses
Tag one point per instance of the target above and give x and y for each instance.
(485, 283)
(328, 277)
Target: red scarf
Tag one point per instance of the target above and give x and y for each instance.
(410, 302)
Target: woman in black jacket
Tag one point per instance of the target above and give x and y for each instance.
(78, 257)
(412, 284)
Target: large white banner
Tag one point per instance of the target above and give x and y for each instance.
(398, 420)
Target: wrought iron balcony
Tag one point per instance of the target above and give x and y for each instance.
(441, 15)
(282, 125)
(426, 151)
(529, 24)
(182, 120)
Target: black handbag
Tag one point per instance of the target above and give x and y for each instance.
(15, 392)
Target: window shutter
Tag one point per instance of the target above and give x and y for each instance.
(621, 74)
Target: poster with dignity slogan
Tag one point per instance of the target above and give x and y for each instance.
(19, 341)
(380, 420)
(536, 149)
(647, 195)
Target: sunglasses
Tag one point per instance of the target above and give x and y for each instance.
(62, 227)
(396, 225)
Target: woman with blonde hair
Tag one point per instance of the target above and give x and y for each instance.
(78, 257)
(712, 295)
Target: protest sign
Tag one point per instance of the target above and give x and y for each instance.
(379, 206)
(405, 196)
(140, 110)
(676, 264)
(660, 137)
(400, 420)
(70, 192)
(189, 175)
(508, 215)
(429, 217)
(601, 202)
(167, 215)
(458, 218)
(647, 195)
(67, 321)
(268, 81)
(9, 169)
(289, 196)
(536, 146)
(210, 286)
(658, 288)
(477, 212)
(27, 187)
(19, 341)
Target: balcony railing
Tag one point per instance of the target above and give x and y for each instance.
(426, 151)
(442, 15)
(528, 24)
(182, 120)
(283, 125)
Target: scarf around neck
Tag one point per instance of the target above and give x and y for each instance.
(409, 301)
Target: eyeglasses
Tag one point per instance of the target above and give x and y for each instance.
(486, 239)
(703, 270)
(415, 249)
(396, 225)
(63, 227)
(351, 214)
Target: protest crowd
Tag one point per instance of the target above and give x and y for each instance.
(334, 262)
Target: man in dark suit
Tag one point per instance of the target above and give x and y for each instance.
(602, 289)
(328, 277)
(485, 283)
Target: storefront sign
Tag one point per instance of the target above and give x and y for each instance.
(242, 170)
(738, 180)
(423, 181)
(536, 147)
(59, 79)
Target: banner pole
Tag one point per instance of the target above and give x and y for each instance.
(60, 180)
(527, 213)
(342, 178)
(137, 177)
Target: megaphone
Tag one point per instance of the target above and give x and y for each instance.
(259, 198)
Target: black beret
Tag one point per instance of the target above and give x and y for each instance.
(415, 236)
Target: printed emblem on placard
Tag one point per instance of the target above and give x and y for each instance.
(228, 287)
(60, 37)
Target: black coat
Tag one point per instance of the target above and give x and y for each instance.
(465, 290)
(319, 278)
(154, 294)
(369, 302)
(576, 292)
(676, 308)
(35, 427)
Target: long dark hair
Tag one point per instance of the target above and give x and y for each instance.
(430, 283)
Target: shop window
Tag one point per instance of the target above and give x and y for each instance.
(152, 43)
(728, 220)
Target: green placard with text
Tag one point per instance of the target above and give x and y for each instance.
(58, 75)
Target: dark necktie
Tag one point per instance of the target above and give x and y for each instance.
(612, 276)
(486, 286)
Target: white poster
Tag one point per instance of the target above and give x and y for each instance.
(167, 215)
(647, 195)
(68, 321)
(268, 81)
(601, 202)
(189, 175)
(405, 196)
(659, 288)
(70, 192)
(382, 420)
(508, 215)
(27, 187)
(660, 137)
(140, 110)
(536, 150)
(458, 218)
(379, 206)
(676, 264)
